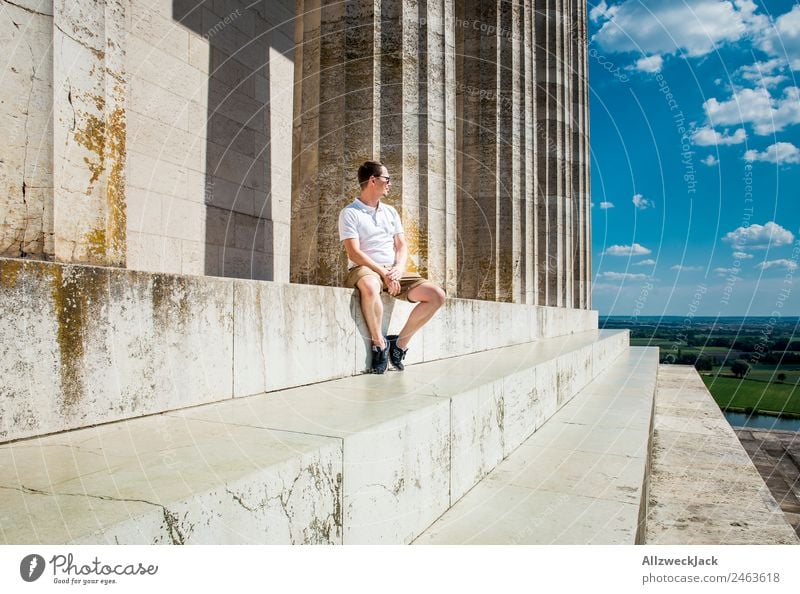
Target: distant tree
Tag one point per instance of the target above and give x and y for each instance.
(704, 364)
(740, 368)
(781, 377)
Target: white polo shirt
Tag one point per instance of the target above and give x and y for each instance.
(374, 228)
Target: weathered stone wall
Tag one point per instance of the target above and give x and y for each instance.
(149, 134)
(210, 137)
(26, 164)
(103, 344)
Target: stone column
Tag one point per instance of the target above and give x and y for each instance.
(89, 98)
(579, 164)
(375, 80)
(530, 168)
(587, 165)
(497, 229)
(568, 260)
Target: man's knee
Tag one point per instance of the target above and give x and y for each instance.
(439, 296)
(429, 293)
(369, 286)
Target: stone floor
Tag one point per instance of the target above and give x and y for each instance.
(704, 488)
(776, 455)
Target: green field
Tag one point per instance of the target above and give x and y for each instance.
(769, 373)
(730, 392)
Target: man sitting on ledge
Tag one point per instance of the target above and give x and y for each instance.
(376, 247)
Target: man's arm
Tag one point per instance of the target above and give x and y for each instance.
(400, 257)
(361, 259)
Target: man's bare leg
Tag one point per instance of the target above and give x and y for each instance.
(369, 287)
(430, 298)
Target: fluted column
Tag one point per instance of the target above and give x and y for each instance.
(376, 81)
(580, 224)
(586, 165)
(530, 127)
(569, 154)
(496, 222)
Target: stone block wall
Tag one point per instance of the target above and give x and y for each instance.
(221, 137)
(26, 167)
(103, 344)
(210, 137)
(149, 134)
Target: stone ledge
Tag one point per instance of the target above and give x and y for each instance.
(84, 345)
(704, 489)
(367, 459)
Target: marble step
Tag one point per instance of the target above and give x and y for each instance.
(365, 459)
(84, 345)
(580, 479)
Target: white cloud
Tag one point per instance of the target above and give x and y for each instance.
(710, 160)
(781, 37)
(764, 74)
(707, 136)
(606, 205)
(682, 268)
(651, 64)
(781, 263)
(759, 236)
(725, 271)
(627, 250)
(742, 256)
(757, 107)
(695, 27)
(623, 276)
(641, 202)
(780, 152)
(601, 11)
(647, 262)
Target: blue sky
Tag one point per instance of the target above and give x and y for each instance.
(695, 136)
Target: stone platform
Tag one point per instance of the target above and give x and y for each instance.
(704, 489)
(367, 459)
(83, 345)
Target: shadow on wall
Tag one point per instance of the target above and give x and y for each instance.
(241, 239)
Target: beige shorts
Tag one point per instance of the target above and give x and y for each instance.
(408, 281)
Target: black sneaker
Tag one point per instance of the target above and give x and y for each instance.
(380, 359)
(396, 354)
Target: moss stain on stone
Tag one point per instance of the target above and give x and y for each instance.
(417, 245)
(10, 271)
(115, 191)
(170, 297)
(76, 296)
(107, 140)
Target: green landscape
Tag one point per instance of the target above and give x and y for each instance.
(749, 365)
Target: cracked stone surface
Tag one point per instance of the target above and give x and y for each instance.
(26, 165)
(577, 480)
(704, 488)
(106, 344)
(162, 480)
(390, 454)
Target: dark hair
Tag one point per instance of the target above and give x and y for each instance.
(367, 170)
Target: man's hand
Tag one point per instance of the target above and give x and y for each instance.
(394, 273)
(392, 284)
